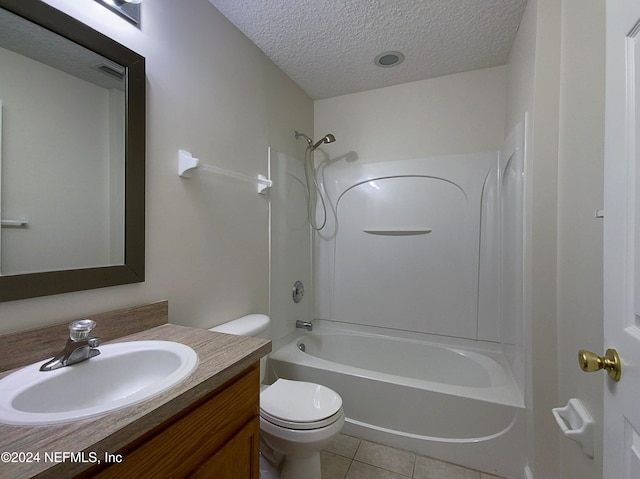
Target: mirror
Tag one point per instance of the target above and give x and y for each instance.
(72, 155)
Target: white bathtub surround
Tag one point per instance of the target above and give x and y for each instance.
(509, 251)
(419, 284)
(402, 246)
(454, 400)
(290, 240)
(429, 245)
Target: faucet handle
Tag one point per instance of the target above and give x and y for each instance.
(80, 329)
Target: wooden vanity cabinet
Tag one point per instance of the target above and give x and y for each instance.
(216, 438)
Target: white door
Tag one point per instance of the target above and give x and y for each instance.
(622, 239)
(0, 187)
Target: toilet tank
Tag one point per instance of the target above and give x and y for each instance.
(254, 325)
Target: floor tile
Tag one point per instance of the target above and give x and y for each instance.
(333, 466)
(344, 446)
(427, 468)
(386, 457)
(360, 470)
(348, 457)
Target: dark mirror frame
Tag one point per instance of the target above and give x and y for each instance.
(22, 286)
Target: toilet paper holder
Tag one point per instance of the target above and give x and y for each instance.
(576, 423)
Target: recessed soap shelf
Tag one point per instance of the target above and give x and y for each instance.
(397, 231)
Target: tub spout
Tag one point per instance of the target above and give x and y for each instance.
(304, 325)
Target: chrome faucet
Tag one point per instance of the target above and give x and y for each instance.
(79, 347)
(304, 325)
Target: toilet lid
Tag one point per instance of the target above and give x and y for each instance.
(299, 402)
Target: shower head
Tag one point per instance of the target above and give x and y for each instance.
(310, 176)
(329, 138)
(298, 135)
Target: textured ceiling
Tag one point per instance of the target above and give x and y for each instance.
(328, 46)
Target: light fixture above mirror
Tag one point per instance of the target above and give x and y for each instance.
(129, 9)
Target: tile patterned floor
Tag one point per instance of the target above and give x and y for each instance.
(351, 458)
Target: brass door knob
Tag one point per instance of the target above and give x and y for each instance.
(590, 362)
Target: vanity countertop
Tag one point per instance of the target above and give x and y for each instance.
(61, 451)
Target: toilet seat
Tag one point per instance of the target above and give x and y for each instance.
(301, 426)
(300, 405)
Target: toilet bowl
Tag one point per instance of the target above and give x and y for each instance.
(297, 419)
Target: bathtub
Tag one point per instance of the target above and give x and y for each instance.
(446, 401)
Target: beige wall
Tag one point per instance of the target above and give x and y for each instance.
(212, 92)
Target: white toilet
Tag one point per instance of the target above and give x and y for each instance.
(297, 419)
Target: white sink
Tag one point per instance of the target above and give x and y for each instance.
(122, 375)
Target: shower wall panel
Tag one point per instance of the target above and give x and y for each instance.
(402, 247)
(512, 170)
(490, 253)
(290, 238)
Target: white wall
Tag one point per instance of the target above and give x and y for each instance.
(462, 113)
(521, 68)
(580, 192)
(212, 92)
(533, 87)
(556, 73)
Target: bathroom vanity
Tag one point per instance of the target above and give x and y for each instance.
(206, 426)
(218, 437)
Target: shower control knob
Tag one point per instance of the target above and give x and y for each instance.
(610, 362)
(298, 291)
